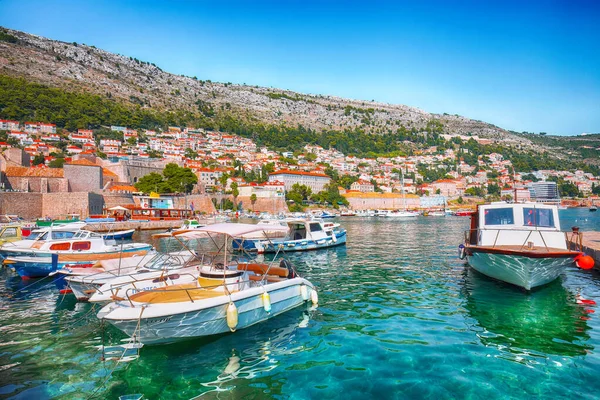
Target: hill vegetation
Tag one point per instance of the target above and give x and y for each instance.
(22, 100)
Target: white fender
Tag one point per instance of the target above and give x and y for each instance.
(314, 297)
(304, 292)
(333, 237)
(266, 302)
(232, 316)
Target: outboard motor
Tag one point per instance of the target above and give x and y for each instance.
(289, 266)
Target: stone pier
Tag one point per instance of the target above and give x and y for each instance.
(591, 246)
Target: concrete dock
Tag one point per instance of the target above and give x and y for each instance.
(590, 243)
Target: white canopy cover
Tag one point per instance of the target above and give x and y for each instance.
(231, 229)
(118, 208)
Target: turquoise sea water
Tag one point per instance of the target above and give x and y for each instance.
(399, 317)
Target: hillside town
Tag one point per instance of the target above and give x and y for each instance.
(38, 158)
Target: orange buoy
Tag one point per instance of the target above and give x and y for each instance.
(584, 262)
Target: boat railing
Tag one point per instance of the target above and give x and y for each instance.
(162, 278)
(135, 278)
(187, 291)
(573, 236)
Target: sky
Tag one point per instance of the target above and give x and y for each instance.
(525, 65)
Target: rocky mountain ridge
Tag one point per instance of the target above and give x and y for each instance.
(79, 67)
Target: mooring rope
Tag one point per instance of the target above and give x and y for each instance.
(137, 328)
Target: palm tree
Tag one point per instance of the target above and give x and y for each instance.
(253, 200)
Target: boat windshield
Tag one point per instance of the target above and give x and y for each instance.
(315, 227)
(499, 216)
(297, 232)
(34, 235)
(539, 217)
(9, 232)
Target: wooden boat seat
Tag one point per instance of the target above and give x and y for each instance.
(261, 269)
(175, 294)
(270, 278)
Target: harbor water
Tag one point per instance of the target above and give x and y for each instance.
(399, 316)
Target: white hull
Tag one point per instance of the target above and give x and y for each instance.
(402, 214)
(83, 290)
(156, 323)
(521, 271)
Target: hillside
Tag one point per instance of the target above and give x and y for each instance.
(83, 68)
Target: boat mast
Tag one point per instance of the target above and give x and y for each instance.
(402, 189)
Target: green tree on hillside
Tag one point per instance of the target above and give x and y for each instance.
(179, 180)
(152, 182)
(38, 159)
(174, 179)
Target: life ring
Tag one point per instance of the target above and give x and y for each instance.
(462, 252)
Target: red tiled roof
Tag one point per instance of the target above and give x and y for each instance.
(83, 161)
(38, 172)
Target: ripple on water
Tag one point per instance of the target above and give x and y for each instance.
(400, 317)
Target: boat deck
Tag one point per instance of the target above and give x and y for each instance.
(516, 250)
(179, 294)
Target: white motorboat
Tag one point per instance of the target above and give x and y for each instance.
(187, 226)
(436, 213)
(302, 235)
(517, 243)
(52, 249)
(402, 214)
(232, 298)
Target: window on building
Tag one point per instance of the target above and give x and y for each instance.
(539, 217)
(499, 216)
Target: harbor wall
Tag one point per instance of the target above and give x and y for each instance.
(273, 205)
(82, 203)
(202, 203)
(25, 205)
(381, 201)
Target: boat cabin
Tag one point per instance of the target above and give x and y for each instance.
(528, 224)
(301, 230)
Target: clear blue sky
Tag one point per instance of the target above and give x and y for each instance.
(525, 66)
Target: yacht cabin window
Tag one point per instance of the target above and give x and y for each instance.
(499, 216)
(539, 217)
(315, 227)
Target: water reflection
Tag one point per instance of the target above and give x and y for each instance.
(546, 321)
(225, 363)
